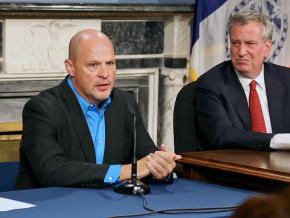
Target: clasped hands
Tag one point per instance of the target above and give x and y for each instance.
(159, 164)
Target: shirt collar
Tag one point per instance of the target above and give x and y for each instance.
(83, 103)
(260, 79)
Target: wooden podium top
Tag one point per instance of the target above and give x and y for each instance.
(274, 165)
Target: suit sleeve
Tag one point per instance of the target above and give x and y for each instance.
(213, 114)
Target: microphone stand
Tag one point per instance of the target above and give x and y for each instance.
(133, 187)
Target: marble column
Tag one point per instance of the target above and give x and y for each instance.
(176, 54)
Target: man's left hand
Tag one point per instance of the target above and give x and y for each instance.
(161, 163)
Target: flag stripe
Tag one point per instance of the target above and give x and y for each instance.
(203, 8)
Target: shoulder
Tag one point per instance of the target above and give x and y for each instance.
(46, 98)
(218, 71)
(278, 70)
(119, 96)
(120, 100)
(219, 74)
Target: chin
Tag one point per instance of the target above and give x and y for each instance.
(242, 69)
(103, 96)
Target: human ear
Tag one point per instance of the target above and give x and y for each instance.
(268, 47)
(69, 67)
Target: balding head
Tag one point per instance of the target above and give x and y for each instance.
(91, 65)
(84, 36)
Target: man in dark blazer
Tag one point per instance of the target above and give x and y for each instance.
(80, 133)
(223, 93)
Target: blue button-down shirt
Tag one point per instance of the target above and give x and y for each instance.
(96, 121)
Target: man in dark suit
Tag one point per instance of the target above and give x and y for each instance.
(80, 133)
(245, 102)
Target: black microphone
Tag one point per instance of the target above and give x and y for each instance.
(132, 187)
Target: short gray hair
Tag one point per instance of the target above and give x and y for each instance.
(247, 16)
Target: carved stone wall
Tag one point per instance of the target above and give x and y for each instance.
(42, 47)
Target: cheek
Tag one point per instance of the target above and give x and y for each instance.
(233, 52)
(260, 55)
(86, 79)
(112, 74)
(89, 76)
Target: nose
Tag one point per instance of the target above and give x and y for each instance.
(103, 71)
(242, 49)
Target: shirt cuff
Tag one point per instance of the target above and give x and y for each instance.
(112, 174)
(280, 141)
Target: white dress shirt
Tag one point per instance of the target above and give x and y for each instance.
(278, 141)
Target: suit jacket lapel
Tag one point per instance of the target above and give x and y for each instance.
(110, 136)
(238, 97)
(79, 122)
(274, 89)
(112, 115)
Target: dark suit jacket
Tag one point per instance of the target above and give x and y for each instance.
(56, 147)
(222, 110)
(185, 128)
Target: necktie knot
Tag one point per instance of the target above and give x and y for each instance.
(253, 84)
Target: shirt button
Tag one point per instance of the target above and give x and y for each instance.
(110, 178)
(100, 142)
